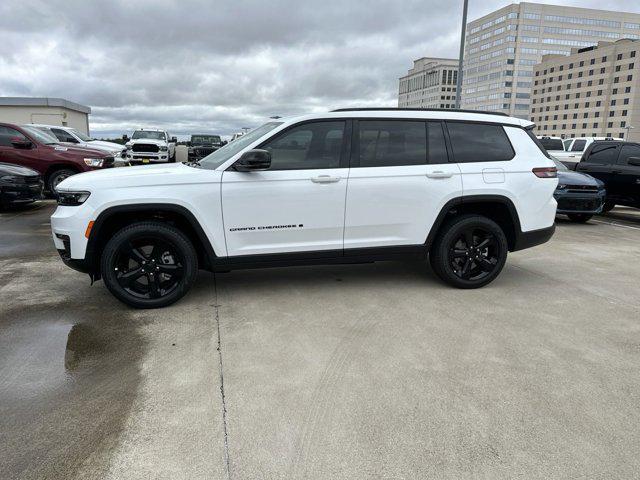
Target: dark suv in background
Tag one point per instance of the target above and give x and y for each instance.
(617, 164)
(29, 147)
(202, 145)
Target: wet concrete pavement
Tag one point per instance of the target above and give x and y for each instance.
(367, 371)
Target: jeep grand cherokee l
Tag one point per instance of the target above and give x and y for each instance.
(355, 185)
(29, 147)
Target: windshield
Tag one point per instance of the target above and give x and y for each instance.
(40, 136)
(82, 136)
(205, 139)
(150, 134)
(223, 154)
(559, 165)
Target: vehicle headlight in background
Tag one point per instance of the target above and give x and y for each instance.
(94, 162)
(163, 149)
(72, 199)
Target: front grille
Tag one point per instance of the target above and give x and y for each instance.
(34, 180)
(145, 147)
(581, 188)
(204, 151)
(578, 203)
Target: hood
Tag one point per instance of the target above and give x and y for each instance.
(107, 146)
(78, 150)
(577, 178)
(137, 177)
(11, 169)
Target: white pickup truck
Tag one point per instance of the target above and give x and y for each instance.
(150, 146)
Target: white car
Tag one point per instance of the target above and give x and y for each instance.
(149, 145)
(575, 147)
(348, 186)
(79, 139)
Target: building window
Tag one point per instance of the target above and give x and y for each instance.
(629, 78)
(619, 56)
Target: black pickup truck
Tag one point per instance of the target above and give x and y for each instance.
(617, 164)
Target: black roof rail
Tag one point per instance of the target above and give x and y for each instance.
(403, 109)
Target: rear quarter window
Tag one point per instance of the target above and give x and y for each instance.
(479, 142)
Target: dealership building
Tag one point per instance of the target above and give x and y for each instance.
(503, 47)
(431, 83)
(592, 92)
(49, 111)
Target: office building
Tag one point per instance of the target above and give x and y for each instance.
(431, 83)
(502, 48)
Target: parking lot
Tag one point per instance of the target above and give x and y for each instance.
(366, 371)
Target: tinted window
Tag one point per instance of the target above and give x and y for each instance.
(552, 143)
(603, 154)
(63, 136)
(477, 142)
(578, 145)
(385, 143)
(567, 143)
(6, 134)
(309, 146)
(437, 147)
(629, 151)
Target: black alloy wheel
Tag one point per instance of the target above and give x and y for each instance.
(470, 251)
(149, 265)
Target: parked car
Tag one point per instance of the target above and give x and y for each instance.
(552, 144)
(461, 188)
(29, 147)
(617, 164)
(19, 185)
(579, 196)
(75, 137)
(150, 146)
(575, 147)
(202, 145)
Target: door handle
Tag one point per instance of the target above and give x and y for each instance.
(440, 174)
(325, 179)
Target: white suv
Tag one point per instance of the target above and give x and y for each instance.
(349, 186)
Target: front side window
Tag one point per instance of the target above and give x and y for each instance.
(388, 143)
(628, 151)
(314, 145)
(7, 134)
(578, 145)
(479, 142)
(603, 154)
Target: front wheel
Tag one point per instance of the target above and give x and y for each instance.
(149, 265)
(57, 177)
(579, 217)
(469, 252)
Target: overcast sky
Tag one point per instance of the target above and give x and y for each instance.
(217, 66)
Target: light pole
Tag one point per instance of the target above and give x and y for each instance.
(461, 57)
(628, 128)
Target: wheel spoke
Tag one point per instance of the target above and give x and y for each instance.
(466, 269)
(458, 253)
(468, 238)
(170, 269)
(154, 287)
(135, 253)
(485, 265)
(126, 279)
(486, 242)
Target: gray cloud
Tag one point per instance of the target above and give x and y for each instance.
(219, 66)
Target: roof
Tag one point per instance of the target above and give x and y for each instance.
(43, 102)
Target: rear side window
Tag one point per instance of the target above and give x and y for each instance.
(478, 142)
(578, 145)
(437, 146)
(603, 154)
(383, 143)
(552, 143)
(567, 143)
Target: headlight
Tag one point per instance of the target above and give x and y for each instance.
(94, 162)
(72, 199)
(163, 149)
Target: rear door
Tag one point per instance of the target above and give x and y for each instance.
(601, 162)
(399, 180)
(629, 176)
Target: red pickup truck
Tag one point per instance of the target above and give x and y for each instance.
(27, 146)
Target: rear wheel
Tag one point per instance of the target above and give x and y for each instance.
(54, 178)
(469, 252)
(579, 217)
(149, 265)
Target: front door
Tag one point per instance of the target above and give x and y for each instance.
(399, 180)
(298, 204)
(629, 176)
(26, 157)
(601, 163)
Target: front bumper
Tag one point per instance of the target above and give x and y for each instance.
(588, 203)
(18, 194)
(143, 158)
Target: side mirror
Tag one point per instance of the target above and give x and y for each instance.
(23, 143)
(125, 138)
(174, 139)
(253, 160)
(635, 161)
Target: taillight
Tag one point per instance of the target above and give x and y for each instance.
(546, 172)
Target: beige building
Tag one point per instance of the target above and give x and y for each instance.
(594, 92)
(431, 83)
(50, 111)
(502, 48)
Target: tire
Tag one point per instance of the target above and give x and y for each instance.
(172, 158)
(469, 251)
(608, 206)
(579, 217)
(56, 177)
(149, 265)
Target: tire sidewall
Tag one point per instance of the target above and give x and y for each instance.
(173, 236)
